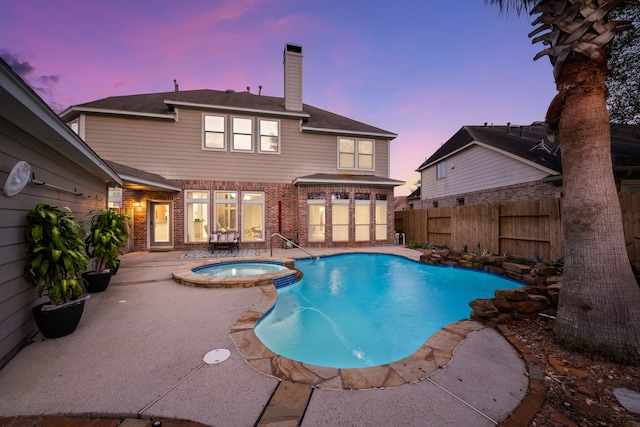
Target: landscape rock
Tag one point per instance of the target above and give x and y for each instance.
(515, 294)
(516, 268)
(531, 306)
(483, 307)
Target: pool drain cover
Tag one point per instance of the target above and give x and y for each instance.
(216, 356)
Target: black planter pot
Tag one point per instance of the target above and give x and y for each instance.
(59, 321)
(96, 282)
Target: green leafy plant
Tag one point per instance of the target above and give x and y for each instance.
(107, 237)
(56, 253)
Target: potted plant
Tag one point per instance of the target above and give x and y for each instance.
(56, 258)
(106, 238)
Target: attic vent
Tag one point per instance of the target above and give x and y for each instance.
(294, 48)
(230, 91)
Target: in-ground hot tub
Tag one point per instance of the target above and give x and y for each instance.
(243, 272)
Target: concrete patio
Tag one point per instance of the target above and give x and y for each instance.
(138, 354)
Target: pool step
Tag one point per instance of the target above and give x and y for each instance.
(287, 405)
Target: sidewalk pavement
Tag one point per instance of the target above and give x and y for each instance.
(137, 355)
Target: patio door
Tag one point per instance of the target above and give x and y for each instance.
(160, 220)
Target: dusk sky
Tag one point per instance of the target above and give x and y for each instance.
(419, 69)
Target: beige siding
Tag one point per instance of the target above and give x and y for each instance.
(16, 295)
(173, 150)
(293, 81)
(476, 169)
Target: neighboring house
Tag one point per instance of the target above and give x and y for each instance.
(400, 203)
(199, 162)
(413, 199)
(485, 164)
(59, 169)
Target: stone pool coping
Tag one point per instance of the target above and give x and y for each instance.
(433, 355)
(184, 275)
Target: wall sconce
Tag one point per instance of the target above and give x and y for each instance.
(136, 204)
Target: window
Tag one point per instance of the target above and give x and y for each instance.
(226, 208)
(381, 217)
(340, 217)
(441, 169)
(365, 154)
(115, 198)
(75, 126)
(242, 134)
(214, 127)
(269, 136)
(316, 216)
(355, 153)
(197, 216)
(363, 217)
(253, 216)
(461, 201)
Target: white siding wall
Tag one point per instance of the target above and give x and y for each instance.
(475, 169)
(17, 296)
(174, 151)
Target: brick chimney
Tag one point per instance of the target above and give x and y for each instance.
(293, 77)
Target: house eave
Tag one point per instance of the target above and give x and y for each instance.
(73, 111)
(136, 183)
(283, 113)
(21, 106)
(348, 132)
(492, 148)
(339, 181)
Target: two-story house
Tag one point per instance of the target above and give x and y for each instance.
(205, 161)
(487, 164)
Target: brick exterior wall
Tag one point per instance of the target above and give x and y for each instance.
(285, 210)
(527, 191)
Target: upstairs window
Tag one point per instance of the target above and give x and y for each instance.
(355, 153)
(242, 134)
(269, 136)
(214, 128)
(75, 126)
(441, 170)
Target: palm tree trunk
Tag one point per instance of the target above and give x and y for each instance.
(598, 312)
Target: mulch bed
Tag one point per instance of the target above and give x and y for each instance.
(574, 389)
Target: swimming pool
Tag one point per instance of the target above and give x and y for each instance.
(362, 310)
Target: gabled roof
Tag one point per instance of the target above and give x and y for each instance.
(137, 179)
(161, 106)
(506, 140)
(530, 144)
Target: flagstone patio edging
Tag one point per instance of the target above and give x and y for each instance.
(434, 354)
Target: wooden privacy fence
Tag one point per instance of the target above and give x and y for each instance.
(524, 228)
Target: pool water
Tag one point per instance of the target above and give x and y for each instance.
(362, 310)
(239, 269)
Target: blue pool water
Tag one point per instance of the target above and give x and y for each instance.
(238, 269)
(361, 310)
